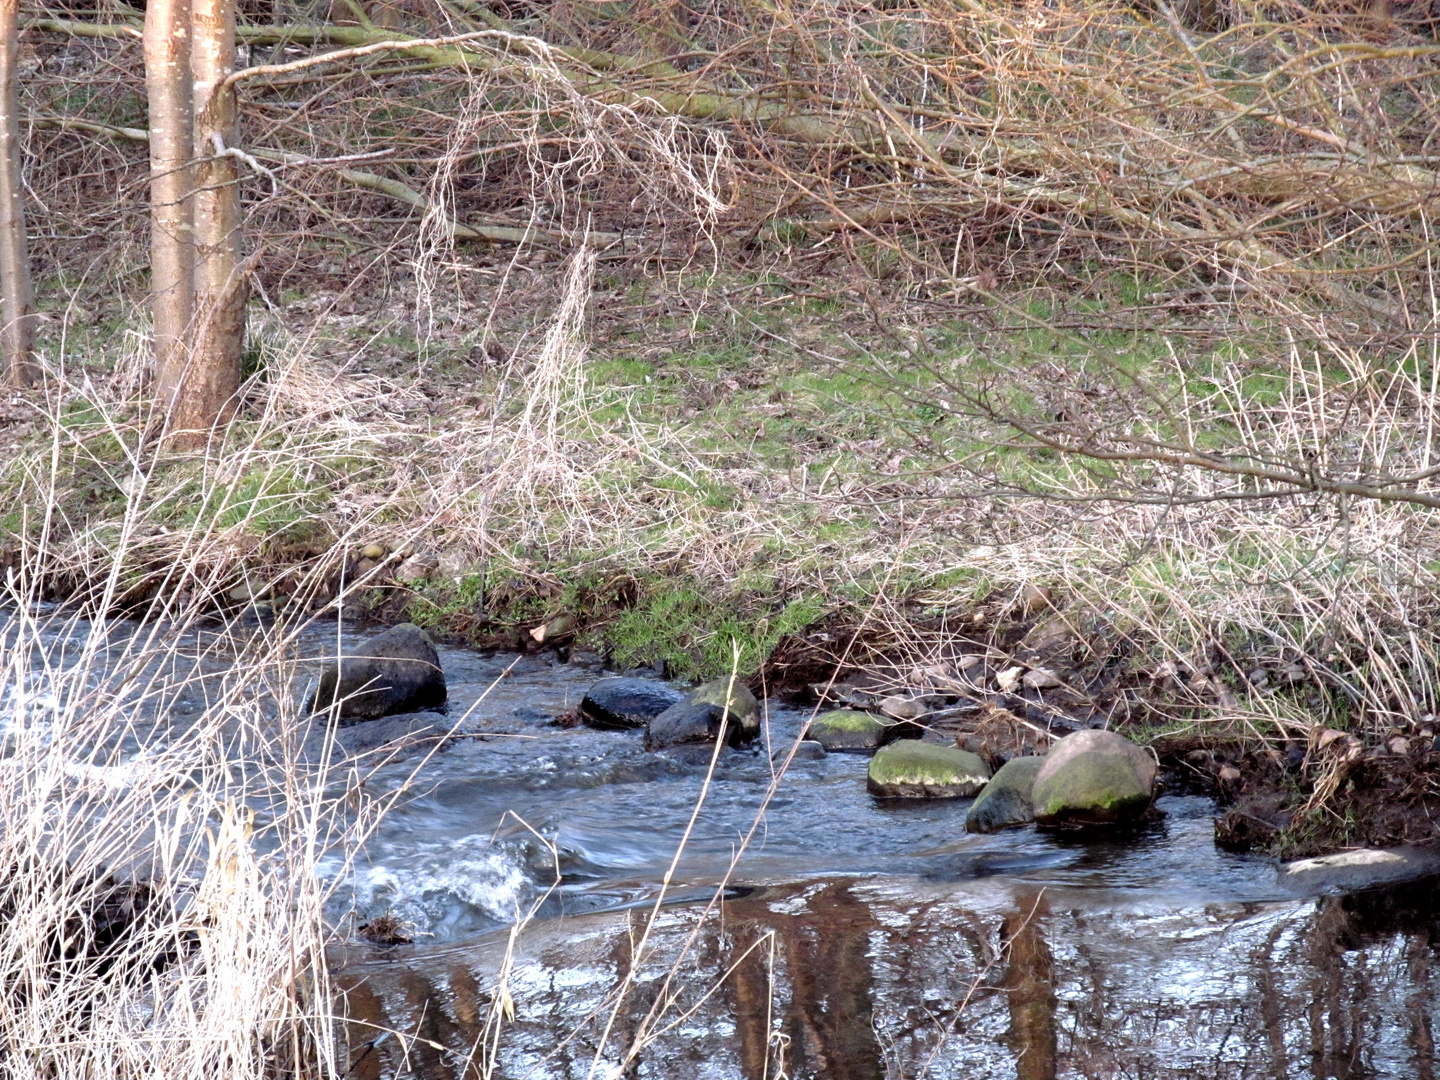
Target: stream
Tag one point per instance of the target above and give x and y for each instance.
(857, 938)
(854, 937)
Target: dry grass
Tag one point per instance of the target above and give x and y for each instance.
(1132, 306)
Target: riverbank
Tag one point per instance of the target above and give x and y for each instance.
(770, 474)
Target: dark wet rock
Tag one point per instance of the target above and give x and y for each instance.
(919, 769)
(396, 672)
(685, 723)
(698, 717)
(1007, 798)
(1362, 868)
(623, 702)
(390, 737)
(1094, 778)
(808, 750)
(847, 729)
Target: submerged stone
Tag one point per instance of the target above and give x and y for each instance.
(1007, 798)
(808, 750)
(621, 702)
(395, 672)
(914, 769)
(1094, 778)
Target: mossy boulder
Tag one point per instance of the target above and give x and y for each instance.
(848, 729)
(1007, 799)
(1093, 778)
(620, 702)
(912, 769)
(699, 716)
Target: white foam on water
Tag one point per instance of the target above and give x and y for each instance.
(445, 888)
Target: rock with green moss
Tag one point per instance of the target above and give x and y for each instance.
(848, 729)
(701, 714)
(1094, 778)
(1007, 798)
(911, 769)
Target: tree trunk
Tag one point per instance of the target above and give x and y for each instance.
(221, 287)
(17, 301)
(172, 240)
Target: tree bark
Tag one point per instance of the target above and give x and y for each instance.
(17, 300)
(221, 288)
(172, 240)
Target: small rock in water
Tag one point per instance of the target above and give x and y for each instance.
(847, 729)
(913, 769)
(621, 702)
(699, 716)
(396, 672)
(808, 750)
(390, 738)
(1094, 778)
(1007, 798)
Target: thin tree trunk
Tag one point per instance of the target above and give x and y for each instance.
(172, 241)
(221, 287)
(17, 300)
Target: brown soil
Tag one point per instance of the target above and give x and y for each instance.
(1302, 798)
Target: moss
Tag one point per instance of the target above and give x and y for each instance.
(913, 768)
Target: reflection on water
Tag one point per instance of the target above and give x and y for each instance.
(1030, 987)
(872, 978)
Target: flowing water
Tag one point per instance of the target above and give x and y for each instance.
(562, 930)
(856, 938)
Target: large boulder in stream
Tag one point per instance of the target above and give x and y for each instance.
(697, 717)
(911, 769)
(1007, 799)
(620, 702)
(849, 729)
(395, 672)
(1094, 778)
